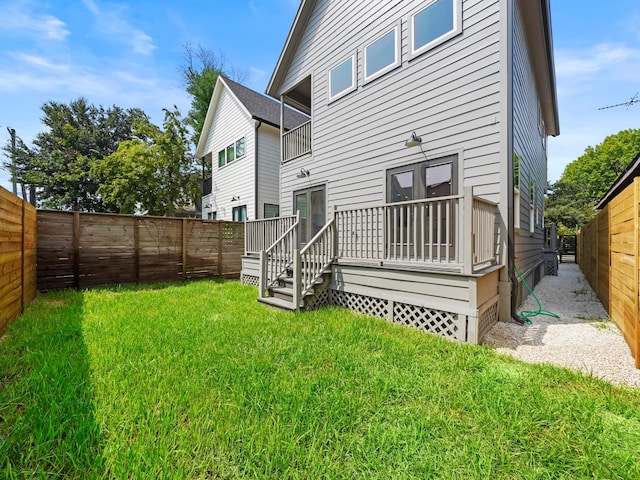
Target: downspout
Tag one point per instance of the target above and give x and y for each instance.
(511, 251)
(255, 169)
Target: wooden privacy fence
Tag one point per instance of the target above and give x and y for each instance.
(608, 254)
(83, 250)
(17, 256)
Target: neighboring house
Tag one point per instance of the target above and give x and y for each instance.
(419, 178)
(241, 141)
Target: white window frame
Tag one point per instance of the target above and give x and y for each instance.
(532, 206)
(223, 151)
(397, 54)
(354, 78)
(457, 29)
(244, 146)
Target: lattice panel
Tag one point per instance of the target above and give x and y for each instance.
(319, 299)
(374, 307)
(432, 321)
(250, 280)
(487, 320)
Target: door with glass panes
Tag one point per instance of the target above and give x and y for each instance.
(313, 211)
(422, 229)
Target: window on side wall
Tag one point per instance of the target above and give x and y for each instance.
(382, 55)
(212, 215)
(231, 153)
(271, 210)
(240, 148)
(221, 158)
(532, 206)
(342, 78)
(434, 24)
(239, 214)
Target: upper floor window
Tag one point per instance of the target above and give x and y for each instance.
(231, 153)
(342, 78)
(437, 22)
(221, 158)
(240, 148)
(382, 55)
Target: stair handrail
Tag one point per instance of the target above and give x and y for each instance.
(276, 262)
(315, 257)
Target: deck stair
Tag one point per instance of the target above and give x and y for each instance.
(281, 295)
(297, 279)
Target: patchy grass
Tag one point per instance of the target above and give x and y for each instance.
(200, 381)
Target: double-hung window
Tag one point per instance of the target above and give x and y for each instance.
(382, 55)
(239, 214)
(221, 158)
(434, 24)
(342, 78)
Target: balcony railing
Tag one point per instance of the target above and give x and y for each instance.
(296, 142)
(261, 234)
(455, 232)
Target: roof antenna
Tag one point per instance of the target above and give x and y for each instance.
(633, 101)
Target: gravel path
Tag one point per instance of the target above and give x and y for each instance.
(581, 339)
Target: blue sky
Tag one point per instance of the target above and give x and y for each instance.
(129, 54)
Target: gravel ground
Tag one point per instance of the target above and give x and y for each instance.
(581, 339)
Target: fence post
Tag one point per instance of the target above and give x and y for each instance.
(184, 249)
(76, 250)
(136, 250)
(220, 245)
(22, 247)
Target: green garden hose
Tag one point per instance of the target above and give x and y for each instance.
(527, 314)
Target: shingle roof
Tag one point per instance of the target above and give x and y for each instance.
(265, 108)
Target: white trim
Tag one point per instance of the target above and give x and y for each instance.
(397, 54)
(354, 78)
(457, 29)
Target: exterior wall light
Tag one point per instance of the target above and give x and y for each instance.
(413, 141)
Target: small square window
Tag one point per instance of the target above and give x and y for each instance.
(230, 153)
(271, 210)
(240, 148)
(212, 215)
(437, 22)
(221, 158)
(342, 78)
(381, 55)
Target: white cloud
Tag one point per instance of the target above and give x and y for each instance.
(18, 18)
(598, 59)
(40, 62)
(111, 21)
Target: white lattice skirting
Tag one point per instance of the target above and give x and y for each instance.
(446, 324)
(487, 318)
(249, 280)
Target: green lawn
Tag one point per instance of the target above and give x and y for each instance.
(200, 381)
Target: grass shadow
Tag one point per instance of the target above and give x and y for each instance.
(47, 422)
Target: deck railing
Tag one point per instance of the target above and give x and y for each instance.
(278, 258)
(296, 142)
(455, 232)
(261, 234)
(484, 232)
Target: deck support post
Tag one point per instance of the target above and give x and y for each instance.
(297, 279)
(467, 231)
(262, 281)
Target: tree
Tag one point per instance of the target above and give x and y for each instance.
(154, 172)
(200, 73)
(586, 179)
(78, 134)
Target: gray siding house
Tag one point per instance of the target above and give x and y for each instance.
(241, 141)
(416, 187)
